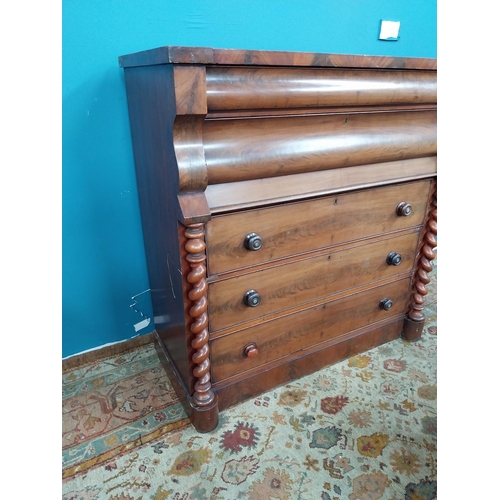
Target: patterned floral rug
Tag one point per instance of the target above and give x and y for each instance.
(363, 429)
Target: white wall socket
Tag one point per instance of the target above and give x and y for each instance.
(389, 30)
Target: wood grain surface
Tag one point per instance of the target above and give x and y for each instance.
(260, 192)
(291, 333)
(243, 149)
(294, 228)
(240, 88)
(173, 54)
(308, 279)
(251, 383)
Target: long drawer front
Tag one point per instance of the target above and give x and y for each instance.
(244, 239)
(284, 286)
(269, 341)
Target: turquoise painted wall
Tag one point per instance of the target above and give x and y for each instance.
(103, 254)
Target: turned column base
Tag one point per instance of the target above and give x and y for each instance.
(205, 418)
(412, 330)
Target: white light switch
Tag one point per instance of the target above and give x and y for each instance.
(389, 30)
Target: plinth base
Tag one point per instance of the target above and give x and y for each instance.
(412, 330)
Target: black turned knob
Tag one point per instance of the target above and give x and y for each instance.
(251, 298)
(385, 304)
(394, 259)
(253, 242)
(403, 209)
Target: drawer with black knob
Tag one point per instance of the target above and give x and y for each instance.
(268, 341)
(259, 236)
(269, 291)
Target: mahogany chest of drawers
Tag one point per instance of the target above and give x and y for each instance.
(288, 203)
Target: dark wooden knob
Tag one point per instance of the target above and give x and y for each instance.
(252, 242)
(251, 298)
(403, 209)
(251, 351)
(385, 304)
(394, 259)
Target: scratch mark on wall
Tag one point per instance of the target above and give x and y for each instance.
(145, 322)
(195, 21)
(170, 276)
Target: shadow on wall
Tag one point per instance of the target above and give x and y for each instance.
(102, 232)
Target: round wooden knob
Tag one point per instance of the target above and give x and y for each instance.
(385, 304)
(252, 242)
(251, 298)
(403, 209)
(251, 351)
(394, 259)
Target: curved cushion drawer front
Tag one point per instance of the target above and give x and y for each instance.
(250, 296)
(267, 342)
(295, 228)
(240, 88)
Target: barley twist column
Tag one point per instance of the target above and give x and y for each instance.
(205, 415)
(414, 322)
